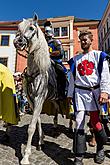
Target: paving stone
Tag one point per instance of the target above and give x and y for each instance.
(56, 151)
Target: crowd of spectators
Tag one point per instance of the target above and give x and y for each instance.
(23, 104)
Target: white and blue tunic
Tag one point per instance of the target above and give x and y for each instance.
(87, 75)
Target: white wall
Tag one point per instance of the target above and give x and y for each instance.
(9, 51)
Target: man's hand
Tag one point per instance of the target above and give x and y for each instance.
(103, 98)
(55, 53)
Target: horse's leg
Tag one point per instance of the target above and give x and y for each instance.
(41, 135)
(32, 127)
(31, 130)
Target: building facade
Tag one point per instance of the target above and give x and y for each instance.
(7, 49)
(104, 30)
(66, 29)
(84, 24)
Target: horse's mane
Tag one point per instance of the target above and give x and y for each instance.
(39, 46)
(43, 54)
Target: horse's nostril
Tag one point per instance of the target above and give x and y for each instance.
(20, 44)
(20, 40)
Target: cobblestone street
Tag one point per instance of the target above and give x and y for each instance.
(56, 150)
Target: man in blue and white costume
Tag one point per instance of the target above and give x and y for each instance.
(55, 46)
(56, 52)
(88, 89)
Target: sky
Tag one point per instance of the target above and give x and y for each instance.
(14, 10)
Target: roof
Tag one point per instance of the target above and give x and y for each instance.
(76, 19)
(14, 24)
(9, 23)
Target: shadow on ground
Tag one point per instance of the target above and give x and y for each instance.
(18, 136)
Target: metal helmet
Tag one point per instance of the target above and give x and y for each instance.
(48, 29)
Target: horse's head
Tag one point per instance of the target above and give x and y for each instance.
(27, 33)
(31, 39)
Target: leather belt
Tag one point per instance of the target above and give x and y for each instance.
(87, 88)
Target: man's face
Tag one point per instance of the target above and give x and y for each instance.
(85, 42)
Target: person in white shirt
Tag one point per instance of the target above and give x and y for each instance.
(89, 87)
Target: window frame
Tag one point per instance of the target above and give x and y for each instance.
(2, 40)
(60, 32)
(56, 31)
(5, 61)
(64, 31)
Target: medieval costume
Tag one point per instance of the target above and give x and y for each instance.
(55, 46)
(8, 100)
(56, 52)
(89, 77)
(86, 83)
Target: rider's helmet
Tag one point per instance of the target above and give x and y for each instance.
(48, 29)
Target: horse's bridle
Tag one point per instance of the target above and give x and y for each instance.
(26, 39)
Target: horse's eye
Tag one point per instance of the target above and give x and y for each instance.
(17, 34)
(31, 28)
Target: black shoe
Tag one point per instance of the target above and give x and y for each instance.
(78, 161)
(100, 156)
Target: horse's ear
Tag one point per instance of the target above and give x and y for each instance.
(35, 18)
(24, 19)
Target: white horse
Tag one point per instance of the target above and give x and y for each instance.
(40, 77)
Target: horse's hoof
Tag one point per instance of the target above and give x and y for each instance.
(24, 162)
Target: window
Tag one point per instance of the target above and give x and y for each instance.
(64, 31)
(4, 40)
(61, 31)
(4, 61)
(56, 32)
(66, 56)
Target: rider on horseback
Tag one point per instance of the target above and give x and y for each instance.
(55, 46)
(56, 54)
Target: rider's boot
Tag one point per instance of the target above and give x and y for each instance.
(101, 139)
(79, 146)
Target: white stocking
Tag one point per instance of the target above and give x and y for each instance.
(80, 119)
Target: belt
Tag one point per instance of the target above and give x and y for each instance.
(87, 88)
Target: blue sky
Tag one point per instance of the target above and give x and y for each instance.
(11, 10)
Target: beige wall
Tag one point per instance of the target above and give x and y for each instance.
(103, 31)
